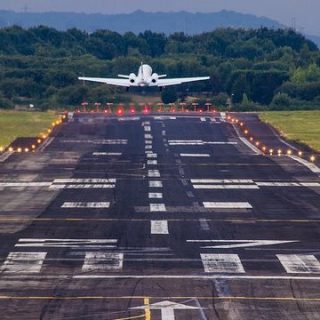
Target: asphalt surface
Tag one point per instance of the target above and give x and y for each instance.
(157, 217)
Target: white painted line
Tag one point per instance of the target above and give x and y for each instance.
(163, 132)
(278, 184)
(310, 184)
(153, 173)
(221, 263)
(82, 186)
(227, 205)
(225, 186)
(152, 155)
(230, 244)
(203, 155)
(222, 181)
(95, 141)
(148, 141)
(145, 123)
(147, 128)
(23, 262)
(148, 147)
(5, 156)
(148, 136)
(152, 162)
(148, 152)
(294, 263)
(25, 184)
(159, 227)
(164, 118)
(204, 224)
(251, 146)
(157, 207)
(311, 166)
(202, 119)
(106, 153)
(92, 244)
(155, 195)
(222, 142)
(102, 261)
(46, 144)
(199, 142)
(155, 184)
(86, 205)
(85, 180)
(129, 119)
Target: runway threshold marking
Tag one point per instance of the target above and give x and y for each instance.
(106, 153)
(155, 195)
(153, 173)
(221, 263)
(226, 186)
(157, 207)
(195, 155)
(293, 263)
(155, 184)
(102, 261)
(90, 205)
(159, 227)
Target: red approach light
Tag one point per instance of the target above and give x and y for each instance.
(120, 112)
(132, 110)
(145, 110)
(200, 110)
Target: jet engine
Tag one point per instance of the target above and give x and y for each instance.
(132, 78)
(154, 78)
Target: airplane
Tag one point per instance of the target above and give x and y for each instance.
(144, 78)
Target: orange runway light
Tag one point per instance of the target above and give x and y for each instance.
(289, 152)
(19, 150)
(26, 149)
(241, 124)
(11, 149)
(300, 153)
(39, 140)
(251, 139)
(33, 146)
(312, 158)
(246, 131)
(1, 149)
(257, 143)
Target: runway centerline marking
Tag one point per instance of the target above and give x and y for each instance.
(86, 205)
(227, 205)
(159, 227)
(226, 186)
(195, 155)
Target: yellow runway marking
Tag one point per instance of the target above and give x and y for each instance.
(147, 312)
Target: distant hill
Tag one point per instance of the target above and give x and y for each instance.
(138, 21)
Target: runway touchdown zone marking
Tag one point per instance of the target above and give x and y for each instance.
(299, 263)
(102, 261)
(221, 263)
(155, 195)
(26, 262)
(195, 155)
(155, 184)
(157, 207)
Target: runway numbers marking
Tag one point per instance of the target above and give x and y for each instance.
(86, 205)
(299, 263)
(227, 205)
(153, 173)
(157, 207)
(152, 162)
(196, 155)
(155, 184)
(102, 261)
(106, 153)
(26, 262)
(159, 227)
(152, 155)
(153, 195)
(221, 263)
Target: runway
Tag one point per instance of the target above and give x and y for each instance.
(158, 217)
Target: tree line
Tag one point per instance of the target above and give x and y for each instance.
(262, 68)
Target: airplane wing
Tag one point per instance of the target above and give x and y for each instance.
(110, 81)
(174, 81)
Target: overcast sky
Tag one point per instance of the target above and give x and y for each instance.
(306, 12)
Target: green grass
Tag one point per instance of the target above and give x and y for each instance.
(15, 124)
(300, 126)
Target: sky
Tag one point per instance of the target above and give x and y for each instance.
(304, 12)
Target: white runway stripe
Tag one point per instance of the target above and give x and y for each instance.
(148, 147)
(293, 263)
(148, 136)
(152, 155)
(148, 141)
(157, 207)
(225, 186)
(155, 195)
(23, 262)
(222, 263)
(222, 181)
(106, 153)
(227, 205)
(25, 184)
(102, 261)
(147, 128)
(152, 162)
(311, 166)
(203, 155)
(82, 186)
(159, 227)
(95, 141)
(85, 180)
(203, 119)
(155, 184)
(153, 173)
(86, 205)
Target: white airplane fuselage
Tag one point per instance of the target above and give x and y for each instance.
(144, 77)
